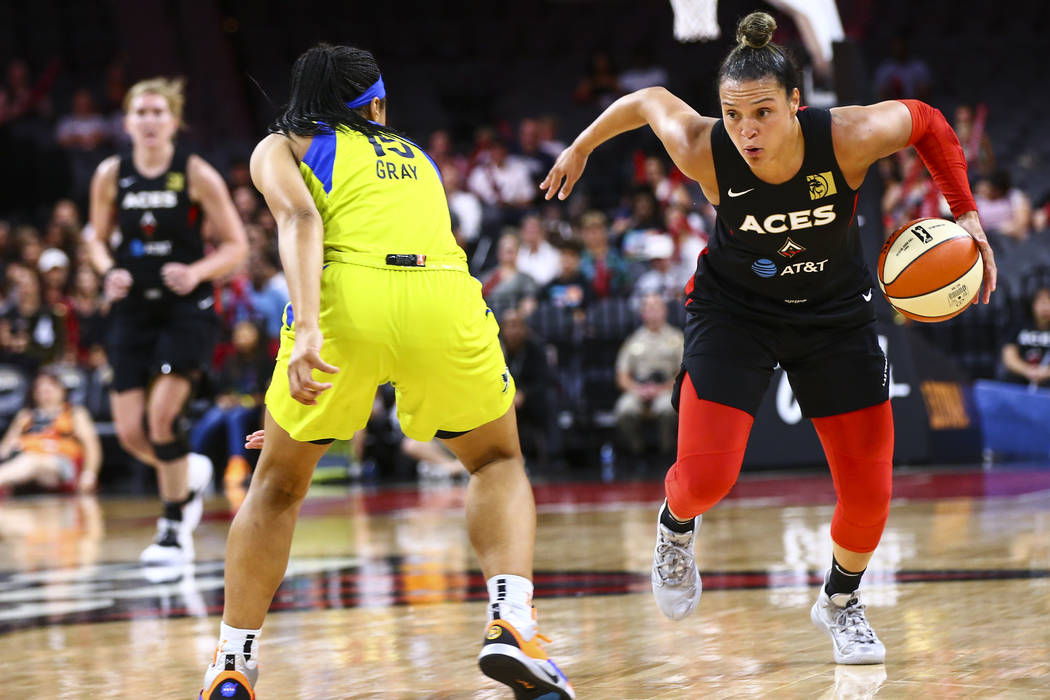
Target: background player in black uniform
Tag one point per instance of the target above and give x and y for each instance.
(782, 281)
(162, 327)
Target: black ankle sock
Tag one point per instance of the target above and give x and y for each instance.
(841, 580)
(673, 524)
(173, 510)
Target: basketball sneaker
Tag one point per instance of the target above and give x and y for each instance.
(230, 677)
(172, 545)
(523, 665)
(675, 578)
(198, 479)
(842, 617)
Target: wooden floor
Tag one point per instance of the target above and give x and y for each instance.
(383, 597)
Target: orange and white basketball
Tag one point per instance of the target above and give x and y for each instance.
(930, 270)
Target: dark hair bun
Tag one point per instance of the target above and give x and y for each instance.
(756, 30)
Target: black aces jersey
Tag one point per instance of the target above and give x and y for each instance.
(789, 251)
(158, 224)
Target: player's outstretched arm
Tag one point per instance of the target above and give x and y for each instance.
(683, 132)
(863, 135)
(300, 235)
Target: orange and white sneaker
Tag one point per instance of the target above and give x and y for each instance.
(522, 665)
(230, 677)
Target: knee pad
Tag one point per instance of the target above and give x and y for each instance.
(170, 451)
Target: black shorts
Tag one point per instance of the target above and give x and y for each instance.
(832, 370)
(144, 342)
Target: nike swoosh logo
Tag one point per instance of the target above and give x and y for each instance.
(127, 181)
(866, 297)
(731, 193)
(552, 676)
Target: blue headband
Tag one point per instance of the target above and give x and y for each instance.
(377, 89)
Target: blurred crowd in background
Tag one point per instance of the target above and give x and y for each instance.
(589, 292)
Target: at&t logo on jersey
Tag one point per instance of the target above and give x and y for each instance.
(791, 221)
(764, 267)
(804, 267)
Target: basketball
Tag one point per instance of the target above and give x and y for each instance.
(930, 270)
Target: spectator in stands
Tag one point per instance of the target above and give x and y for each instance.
(240, 386)
(537, 257)
(500, 181)
(662, 278)
(654, 172)
(54, 278)
(529, 153)
(52, 443)
(630, 228)
(505, 286)
(31, 333)
(644, 71)
(970, 128)
(548, 135)
(569, 289)
(646, 367)
(1004, 209)
(85, 134)
(1026, 352)
(1040, 217)
(30, 247)
(89, 311)
(268, 293)
(533, 378)
(900, 75)
(601, 85)
(605, 269)
(463, 204)
(246, 201)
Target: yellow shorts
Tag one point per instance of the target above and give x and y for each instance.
(428, 331)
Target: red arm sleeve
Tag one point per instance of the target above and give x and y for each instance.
(941, 153)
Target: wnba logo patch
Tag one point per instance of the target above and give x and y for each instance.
(821, 185)
(764, 267)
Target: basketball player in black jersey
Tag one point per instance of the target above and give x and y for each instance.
(782, 281)
(162, 327)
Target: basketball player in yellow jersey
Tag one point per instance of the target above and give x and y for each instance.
(379, 292)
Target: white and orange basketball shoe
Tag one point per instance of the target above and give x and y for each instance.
(230, 677)
(523, 665)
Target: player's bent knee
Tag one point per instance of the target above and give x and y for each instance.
(697, 482)
(279, 489)
(171, 450)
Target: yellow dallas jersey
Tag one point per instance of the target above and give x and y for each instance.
(378, 195)
(416, 320)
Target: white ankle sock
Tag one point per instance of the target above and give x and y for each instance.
(511, 597)
(238, 641)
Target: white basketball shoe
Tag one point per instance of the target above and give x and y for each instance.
(230, 677)
(842, 617)
(676, 579)
(173, 543)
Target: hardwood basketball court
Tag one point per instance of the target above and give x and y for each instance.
(383, 597)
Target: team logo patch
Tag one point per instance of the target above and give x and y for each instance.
(505, 376)
(764, 267)
(494, 632)
(790, 249)
(821, 185)
(148, 224)
(176, 182)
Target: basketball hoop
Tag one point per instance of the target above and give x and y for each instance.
(695, 20)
